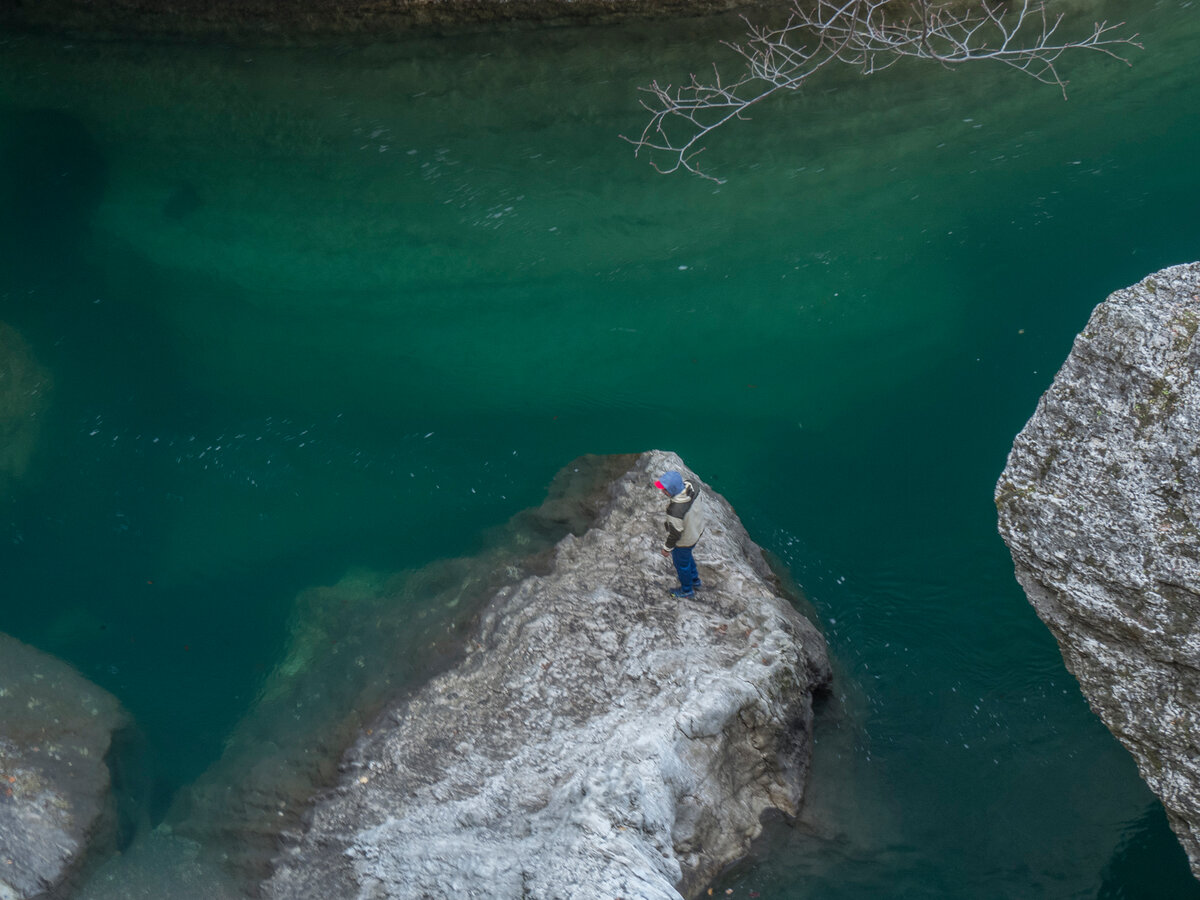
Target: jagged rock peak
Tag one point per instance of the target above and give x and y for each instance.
(1099, 506)
(601, 738)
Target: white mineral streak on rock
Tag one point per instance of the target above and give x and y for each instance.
(1100, 509)
(602, 739)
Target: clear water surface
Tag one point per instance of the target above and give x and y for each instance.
(338, 308)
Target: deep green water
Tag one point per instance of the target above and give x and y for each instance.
(323, 309)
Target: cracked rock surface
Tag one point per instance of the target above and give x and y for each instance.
(600, 738)
(1100, 508)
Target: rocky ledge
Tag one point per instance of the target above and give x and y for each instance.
(56, 804)
(1099, 506)
(600, 738)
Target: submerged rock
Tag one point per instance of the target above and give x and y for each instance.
(1099, 506)
(56, 803)
(600, 738)
(24, 392)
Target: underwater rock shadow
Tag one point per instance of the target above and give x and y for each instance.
(53, 175)
(183, 201)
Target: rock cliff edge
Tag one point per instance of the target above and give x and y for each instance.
(600, 738)
(1099, 506)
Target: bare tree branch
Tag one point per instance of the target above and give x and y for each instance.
(870, 35)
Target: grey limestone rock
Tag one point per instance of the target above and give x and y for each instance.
(1099, 506)
(600, 738)
(56, 804)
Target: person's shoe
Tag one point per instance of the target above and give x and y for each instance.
(680, 592)
(697, 584)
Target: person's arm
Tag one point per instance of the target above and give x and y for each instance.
(674, 526)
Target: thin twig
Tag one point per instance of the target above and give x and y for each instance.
(866, 35)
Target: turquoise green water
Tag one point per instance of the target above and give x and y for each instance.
(316, 310)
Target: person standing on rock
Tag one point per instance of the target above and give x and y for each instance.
(685, 524)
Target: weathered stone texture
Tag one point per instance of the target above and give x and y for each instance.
(56, 804)
(1100, 509)
(600, 739)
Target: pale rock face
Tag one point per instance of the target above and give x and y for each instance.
(1100, 509)
(601, 738)
(56, 804)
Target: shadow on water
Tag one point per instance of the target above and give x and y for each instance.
(103, 337)
(53, 175)
(1149, 864)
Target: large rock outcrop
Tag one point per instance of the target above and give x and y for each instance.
(1100, 507)
(599, 739)
(56, 803)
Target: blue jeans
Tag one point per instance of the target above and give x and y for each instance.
(685, 567)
